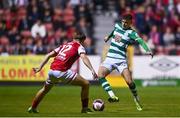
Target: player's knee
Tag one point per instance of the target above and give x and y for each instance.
(101, 74)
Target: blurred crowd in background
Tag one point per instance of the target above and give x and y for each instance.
(39, 26)
(156, 21)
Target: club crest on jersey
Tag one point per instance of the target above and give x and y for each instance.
(117, 38)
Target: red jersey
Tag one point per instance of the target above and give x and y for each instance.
(67, 54)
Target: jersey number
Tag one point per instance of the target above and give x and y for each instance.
(64, 49)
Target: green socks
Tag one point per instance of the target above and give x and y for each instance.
(106, 86)
(132, 87)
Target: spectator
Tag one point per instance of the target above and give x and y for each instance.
(88, 46)
(177, 35)
(155, 36)
(82, 25)
(58, 21)
(39, 48)
(140, 19)
(38, 28)
(14, 36)
(2, 29)
(148, 42)
(33, 14)
(69, 15)
(20, 3)
(24, 23)
(173, 22)
(47, 16)
(168, 37)
(50, 37)
(4, 42)
(29, 43)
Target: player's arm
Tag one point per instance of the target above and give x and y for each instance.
(87, 62)
(135, 36)
(45, 60)
(143, 44)
(108, 37)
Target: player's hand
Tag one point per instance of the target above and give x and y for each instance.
(106, 38)
(95, 77)
(152, 55)
(36, 70)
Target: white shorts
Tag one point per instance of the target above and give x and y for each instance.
(55, 76)
(118, 64)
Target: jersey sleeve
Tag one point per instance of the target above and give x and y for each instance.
(81, 50)
(137, 38)
(57, 50)
(134, 35)
(111, 34)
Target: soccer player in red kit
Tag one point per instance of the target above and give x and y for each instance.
(64, 57)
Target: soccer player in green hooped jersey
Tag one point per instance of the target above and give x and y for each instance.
(120, 37)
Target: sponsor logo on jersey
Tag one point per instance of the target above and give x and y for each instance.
(117, 38)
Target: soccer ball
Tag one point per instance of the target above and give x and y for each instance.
(98, 105)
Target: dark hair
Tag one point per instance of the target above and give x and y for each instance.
(127, 17)
(78, 35)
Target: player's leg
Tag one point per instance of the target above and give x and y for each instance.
(80, 81)
(38, 98)
(51, 80)
(102, 73)
(128, 78)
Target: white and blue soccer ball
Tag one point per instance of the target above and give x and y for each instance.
(98, 105)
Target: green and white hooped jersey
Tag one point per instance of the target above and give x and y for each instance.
(120, 39)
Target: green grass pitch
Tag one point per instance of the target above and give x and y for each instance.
(65, 101)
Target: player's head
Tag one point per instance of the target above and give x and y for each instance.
(79, 36)
(126, 21)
